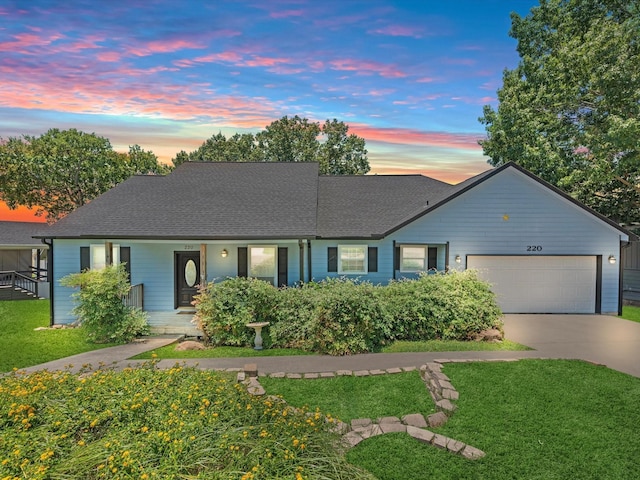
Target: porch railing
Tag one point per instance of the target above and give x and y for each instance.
(16, 285)
(135, 297)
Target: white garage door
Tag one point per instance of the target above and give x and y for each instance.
(540, 284)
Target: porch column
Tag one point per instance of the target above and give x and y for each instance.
(203, 264)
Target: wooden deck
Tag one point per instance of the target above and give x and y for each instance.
(173, 322)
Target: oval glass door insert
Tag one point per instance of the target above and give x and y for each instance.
(190, 273)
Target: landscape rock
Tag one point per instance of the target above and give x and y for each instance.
(189, 345)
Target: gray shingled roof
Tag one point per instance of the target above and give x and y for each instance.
(204, 201)
(20, 234)
(371, 205)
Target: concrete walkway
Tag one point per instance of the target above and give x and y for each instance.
(599, 339)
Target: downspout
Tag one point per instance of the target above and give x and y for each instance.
(394, 260)
(623, 247)
(309, 260)
(301, 255)
(50, 278)
(446, 256)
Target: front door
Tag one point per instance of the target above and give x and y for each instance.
(187, 269)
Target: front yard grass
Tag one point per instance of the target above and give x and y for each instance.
(169, 352)
(21, 346)
(535, 419)
(631, 313)
(352, 397)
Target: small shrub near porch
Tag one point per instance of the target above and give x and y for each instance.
(99, 306)
(343, 316)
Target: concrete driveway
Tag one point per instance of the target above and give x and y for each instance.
(601, 339)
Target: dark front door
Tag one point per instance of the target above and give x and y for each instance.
(187, 266)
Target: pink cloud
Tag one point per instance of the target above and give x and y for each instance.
(398, 31)
(286, 14)
(24, 41)
(164, 46)
(108, 56)
(365, 67)
(425, 80)
(406, 136)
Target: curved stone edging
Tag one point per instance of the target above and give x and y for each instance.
(437, 383)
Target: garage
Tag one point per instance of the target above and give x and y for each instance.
(540, 284)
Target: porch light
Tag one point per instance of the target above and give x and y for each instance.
(612, 259)
(458, 259)
(224, 253)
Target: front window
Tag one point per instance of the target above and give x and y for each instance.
(352, 259)
(413, 258)
(98, 256)
(262, 263)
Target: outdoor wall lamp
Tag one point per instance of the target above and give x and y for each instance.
(612, 259)
(458, 259)
(224, 253)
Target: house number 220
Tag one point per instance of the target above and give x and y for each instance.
(534, 248)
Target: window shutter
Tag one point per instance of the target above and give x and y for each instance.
(283, 266)
(332, 259)
(372, 257)
(125, 257)
(242, 262)
(85, 258)
(432, 258)
(396, 259)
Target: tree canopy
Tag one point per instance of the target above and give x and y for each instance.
(570, 110)
(62, 170)
(289, 139)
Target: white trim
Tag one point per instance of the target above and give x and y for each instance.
(365, 269)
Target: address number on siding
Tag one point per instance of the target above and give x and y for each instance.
(534, 248)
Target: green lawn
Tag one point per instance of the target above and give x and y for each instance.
(169, 351)
(21, 346)
(352, 397)
(535, 419)
(631, 313)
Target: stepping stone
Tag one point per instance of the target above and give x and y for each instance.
(311, 375)
(393, 427)
(394, 370)
(360, 423)
(409, 369)
(351, 439)
(415, 420)
(424, 436)
(440, 441)
(437, 419)
(382, 420)
(277, 375)
(377, 372)
(327, 375)
(472, 453)
(370, 431)
(445, 404)
(294, 375)
(450, 394)
(344, 373)
(251, 369)
(454, 446)
(361, 373)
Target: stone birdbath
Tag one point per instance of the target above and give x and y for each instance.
(258, 326)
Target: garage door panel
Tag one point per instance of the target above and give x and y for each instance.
(540, 284)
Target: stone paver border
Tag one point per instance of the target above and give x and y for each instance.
(439, 386)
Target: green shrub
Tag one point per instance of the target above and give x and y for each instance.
(335, 317)
(99, 306)
(223, 310)
(446, 306)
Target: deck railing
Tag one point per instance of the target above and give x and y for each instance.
(15, 285)
(135, 297)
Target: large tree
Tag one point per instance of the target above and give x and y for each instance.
(570, 111)
(289, 139)
(62, 170)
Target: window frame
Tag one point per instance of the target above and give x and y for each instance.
(274, 279)
(116, 255)
(425, 258)
(365, 261)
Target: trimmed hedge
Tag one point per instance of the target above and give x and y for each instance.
(343, 316)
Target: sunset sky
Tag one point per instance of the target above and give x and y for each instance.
(410, 77)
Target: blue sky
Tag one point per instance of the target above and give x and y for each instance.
(411, 77)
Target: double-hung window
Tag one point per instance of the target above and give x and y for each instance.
(352, 259)
(263, 263)
(98, 256)
(413, 258)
